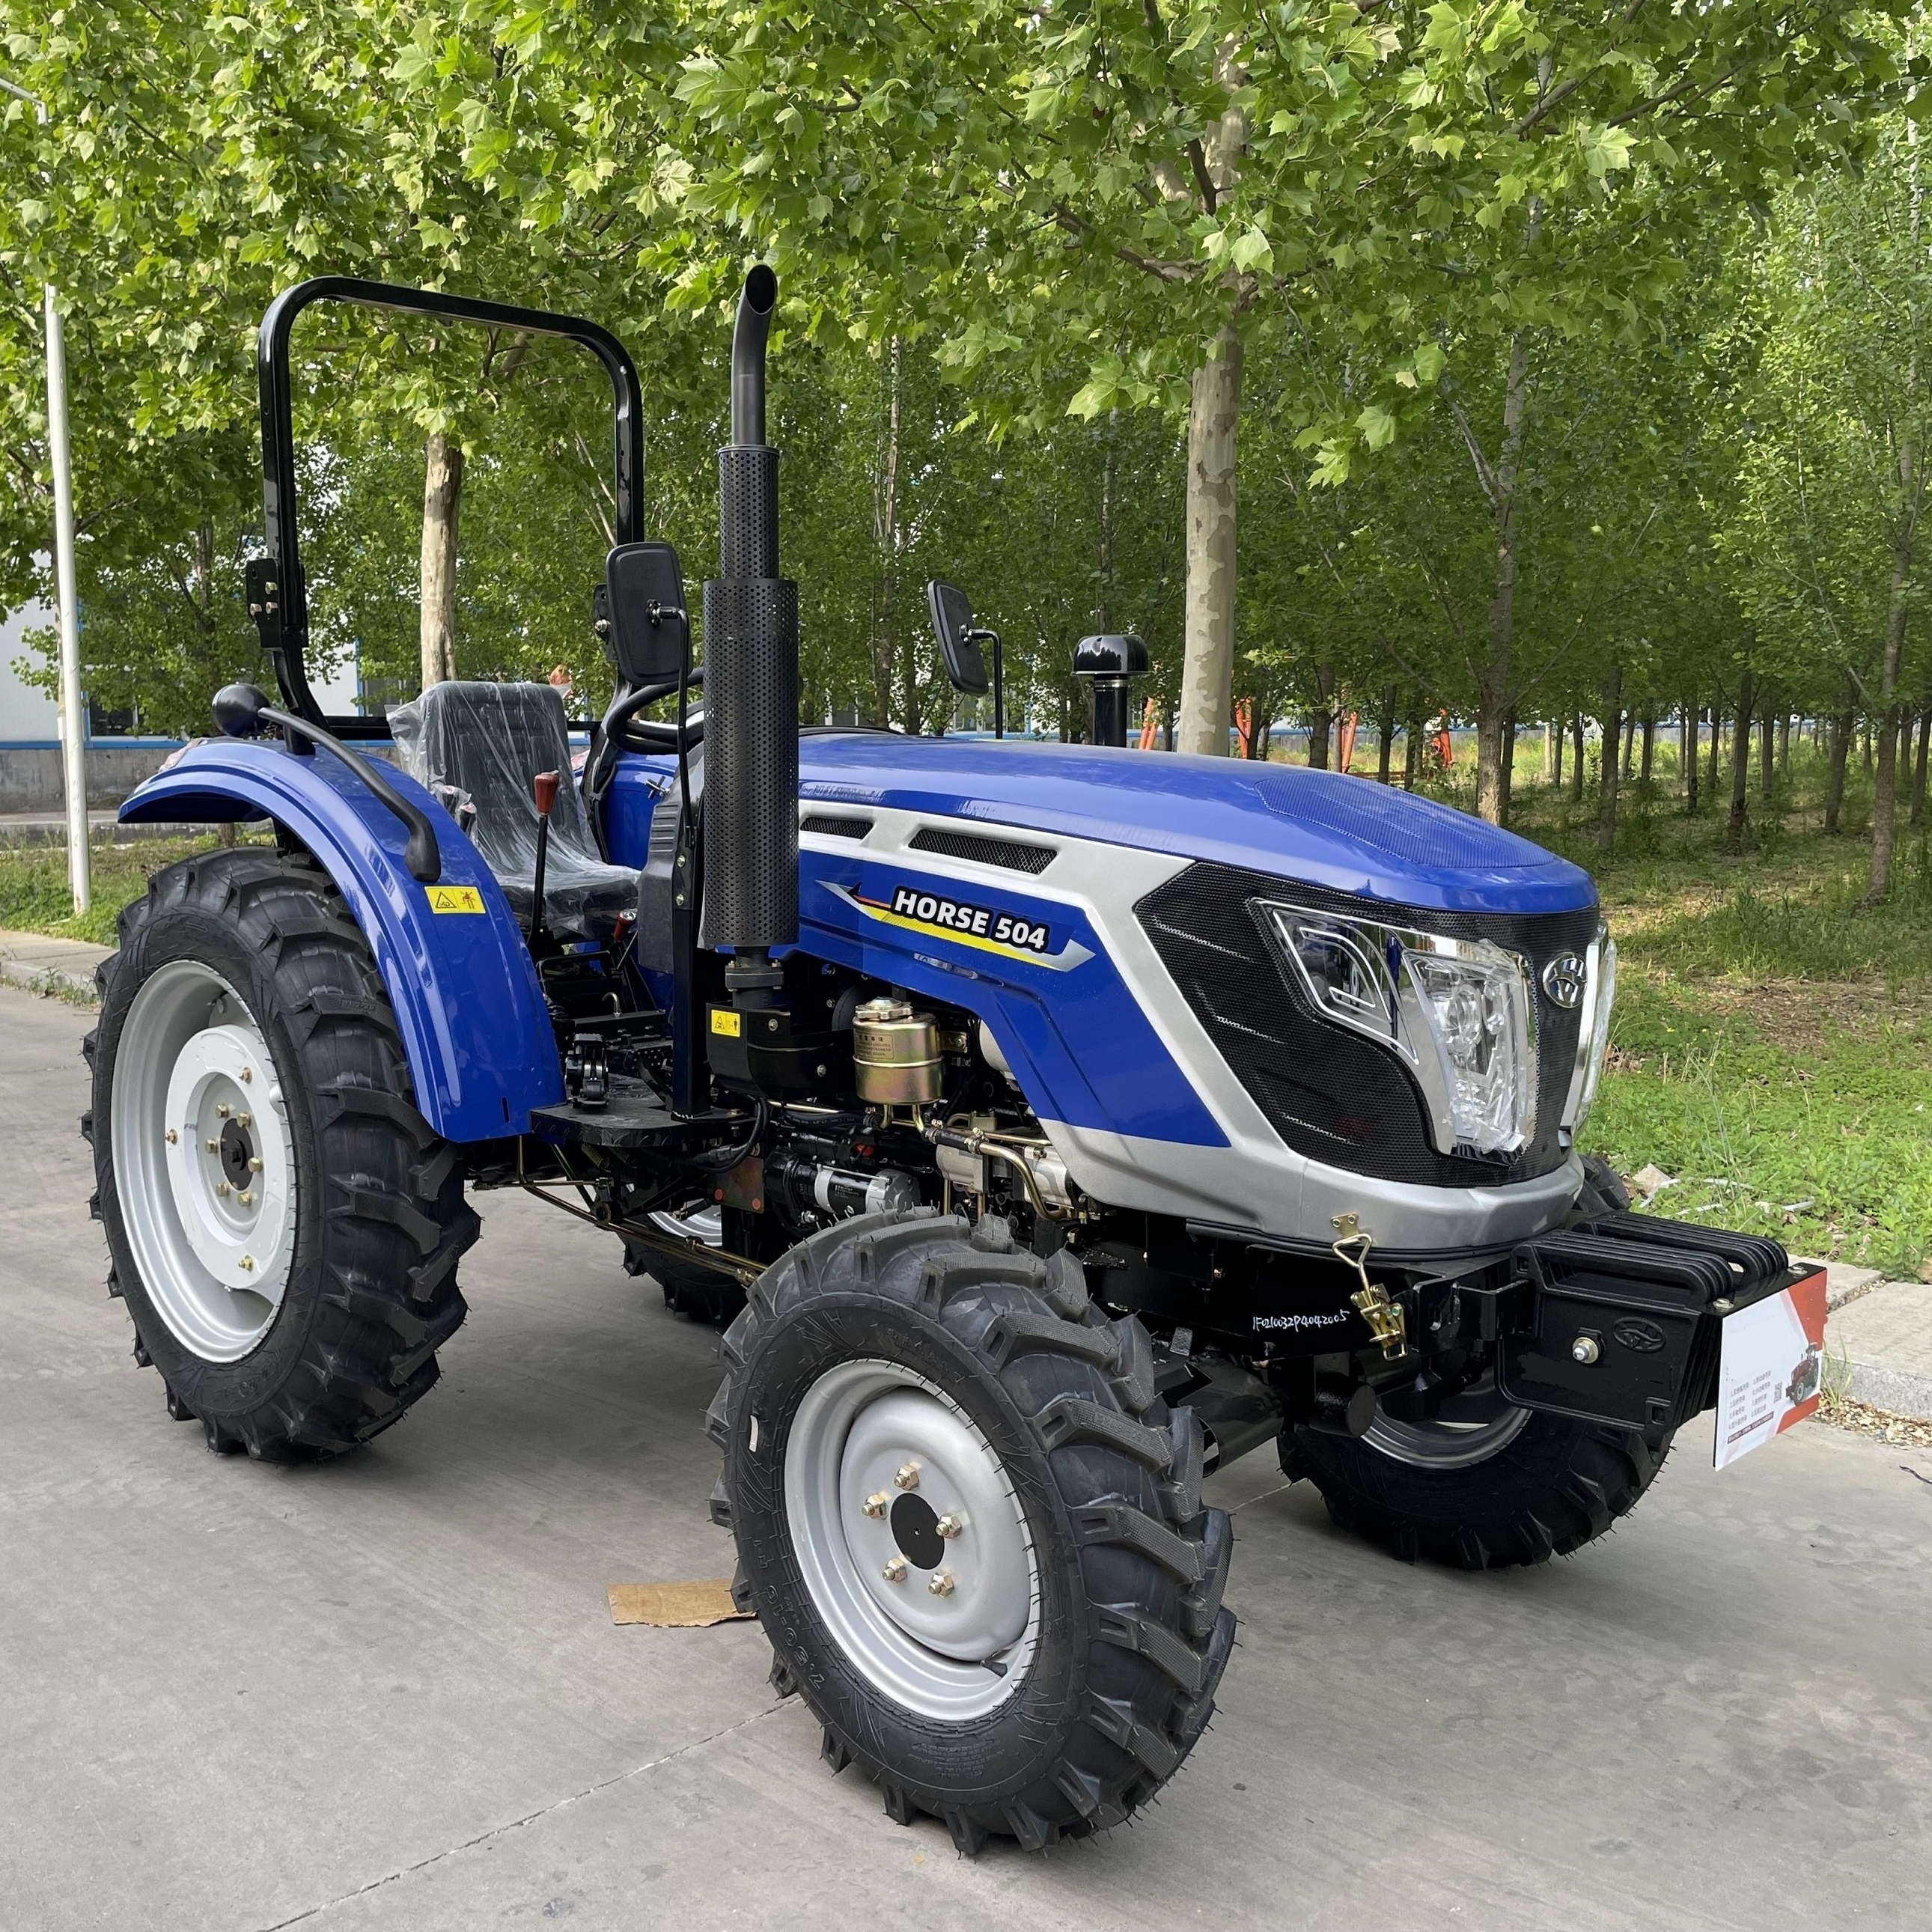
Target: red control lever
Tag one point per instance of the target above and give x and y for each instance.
(543, 789)
(543, 785)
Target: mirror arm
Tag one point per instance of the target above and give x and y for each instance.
(984, 634)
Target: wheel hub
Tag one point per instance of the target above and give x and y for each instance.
(204, 1162)
(911, 1539)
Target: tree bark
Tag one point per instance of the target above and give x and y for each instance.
(442, 504)
(1213, 418)
(1885, 789)
(1606, 790)
(1734, 832)
(1554, 733)
(1687, 758)
(1577, 759)
(1493, 693)
(1630, 745)
(1649, 748)
(1918, 769)
(1508, 765)
(1840, 737)
(1767, 770)
(1385, 731)
(1411, 757)
(886, 543)
(1324, 719)
(1716, 735)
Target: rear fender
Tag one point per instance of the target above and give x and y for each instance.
(480, 1049)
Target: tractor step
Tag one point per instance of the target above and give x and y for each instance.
(633, 1116)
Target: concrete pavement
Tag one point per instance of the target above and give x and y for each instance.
(64, 968)
(386, 1693)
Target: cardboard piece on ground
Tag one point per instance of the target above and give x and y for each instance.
(675, 1605)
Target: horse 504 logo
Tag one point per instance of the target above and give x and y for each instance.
(985, 928)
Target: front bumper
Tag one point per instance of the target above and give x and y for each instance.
(1621, 1320)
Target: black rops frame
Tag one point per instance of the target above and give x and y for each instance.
(277, 592)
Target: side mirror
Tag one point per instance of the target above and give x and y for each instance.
(645, 627)
(958, 638)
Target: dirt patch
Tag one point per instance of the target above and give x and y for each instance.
(1802, 1014)
(1841, 1412)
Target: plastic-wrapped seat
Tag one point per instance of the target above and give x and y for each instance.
(485, 743)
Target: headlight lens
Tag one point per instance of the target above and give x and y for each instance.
(1460, 1011)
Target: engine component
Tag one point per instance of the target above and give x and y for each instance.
(896, 1054)
(809, 1187)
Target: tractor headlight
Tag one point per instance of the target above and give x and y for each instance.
(1460, 1012)
(1593, 1041)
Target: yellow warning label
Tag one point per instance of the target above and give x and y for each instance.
(454, 898)
(725, 1021)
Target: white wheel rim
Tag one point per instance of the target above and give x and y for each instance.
(951, 1652)
(204, 1164)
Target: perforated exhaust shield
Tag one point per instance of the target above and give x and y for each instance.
(751, 659)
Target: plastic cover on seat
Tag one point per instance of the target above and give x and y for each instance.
(487, 742)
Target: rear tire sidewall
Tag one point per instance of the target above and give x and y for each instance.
(977, 1759)
(215, 1391)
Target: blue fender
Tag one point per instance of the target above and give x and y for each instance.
(480, 1049)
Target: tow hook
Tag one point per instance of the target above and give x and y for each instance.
(1387, 1321)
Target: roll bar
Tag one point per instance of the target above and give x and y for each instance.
(277, 593)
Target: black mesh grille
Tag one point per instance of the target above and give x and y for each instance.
(1007, 852)
(826, 826)
(1335, 1096)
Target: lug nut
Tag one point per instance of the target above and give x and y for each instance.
(255, 1164)
(907, 1477)
(1584, 1349)
(949, 1525)
(246, 1197)
(875, 1503)
(221, 1110)
(245, 1119)
(247, 1074)
(895, 1571)
(248, 1263)
(213, 1147)
(941, 1585)
(222, 1189)
(173, 1138)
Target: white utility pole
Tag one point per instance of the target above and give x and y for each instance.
(73, 735)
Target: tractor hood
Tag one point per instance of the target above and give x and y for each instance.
(1323, 828)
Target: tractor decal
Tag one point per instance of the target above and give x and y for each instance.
(985, 928)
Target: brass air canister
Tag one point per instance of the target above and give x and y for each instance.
(895, 1054)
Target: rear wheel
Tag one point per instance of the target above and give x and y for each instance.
(972, 1529)
(282, 1222)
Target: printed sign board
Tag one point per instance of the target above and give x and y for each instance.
(1770, 1368)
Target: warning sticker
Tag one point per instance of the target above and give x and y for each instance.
(454, 898)
(1770, 1368)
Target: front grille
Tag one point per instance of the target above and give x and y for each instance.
(1007, 852)
(1333, 1095)
(827, 825)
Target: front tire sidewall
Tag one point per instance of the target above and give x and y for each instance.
(216, 1391)
(977, 1759)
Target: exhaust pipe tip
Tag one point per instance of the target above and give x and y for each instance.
(758, 298)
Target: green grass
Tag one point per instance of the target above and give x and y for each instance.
(35, 897)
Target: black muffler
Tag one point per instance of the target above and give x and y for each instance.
(750, 683)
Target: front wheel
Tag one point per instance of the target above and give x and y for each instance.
(282, 1224)
(972, 1529)
(1515, 1488)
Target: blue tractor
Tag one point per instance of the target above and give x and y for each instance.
(1050, 1124)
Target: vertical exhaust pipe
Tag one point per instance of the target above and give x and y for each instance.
(751, 659)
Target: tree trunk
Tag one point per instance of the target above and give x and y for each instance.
(1716, 735)
(443, 503)
(1207, 666)
(1493, 691)
(1767, 769)
(1687, 761)
(1649, 748)
(886, 544)
(1324, 719)
(1734, 832)
(1630, 746)
(1834, 783)
(1918, 769)
(1784, 744)
(1411, 757)
(1508, 765)
(1385, 731)
(1607, 789)
(1884, 791)
(1576, 758)
(1555, 733)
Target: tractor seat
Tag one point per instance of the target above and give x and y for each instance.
(485, 743)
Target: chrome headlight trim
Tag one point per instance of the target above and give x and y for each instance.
(1593, 1037)
(1461, 1013)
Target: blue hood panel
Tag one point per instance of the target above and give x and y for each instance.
(1323, 828)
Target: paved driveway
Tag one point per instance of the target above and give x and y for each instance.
(387, 1693)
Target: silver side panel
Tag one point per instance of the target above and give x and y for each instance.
(1255, 1181)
